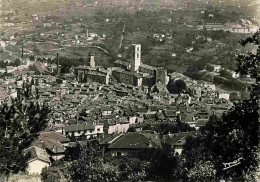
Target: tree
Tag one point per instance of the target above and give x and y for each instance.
(203, 171)
(56, 172)
(166, 127)
(133, 169)
(234, 96)
(17, 62)
(91, 167)
(234, 136)
(32, 58)
(176, 87)
(250, 64)
(20, 123)
(164, 164)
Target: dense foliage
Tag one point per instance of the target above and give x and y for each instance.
(20, 123)
(176, 86)
(233, 136)
(161, 165)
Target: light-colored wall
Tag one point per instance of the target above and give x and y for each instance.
(9, 70)
(106, 113)
(111, 129)
(76, 133)
(132, 120)
(122, 128)
(136, 62)
(57, 157)
(139, 82)
(13, 94)
(36, 166)
(179, 150)
(101, 127)
(115, 152)
(224, 96)
(140, 119)
(212, 86)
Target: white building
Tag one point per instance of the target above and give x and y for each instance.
(2, 43)
(85, 129)
(10, 69)
(39, 159)
(106, 111)
(223, 96)
(2, 70)
(13, 93)
(99, 129)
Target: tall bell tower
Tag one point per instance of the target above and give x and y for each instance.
(136, 61)
(92, 60)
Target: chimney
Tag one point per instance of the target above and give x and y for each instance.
(22, 52)
(58, 64)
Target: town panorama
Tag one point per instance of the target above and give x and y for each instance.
(129, 90)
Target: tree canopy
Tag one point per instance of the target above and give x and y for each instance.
(20, 123)
(176, 87)
(234, 136)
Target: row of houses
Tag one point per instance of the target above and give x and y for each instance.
(240, 27)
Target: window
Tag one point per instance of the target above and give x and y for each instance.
(78, 132)
(118, 154)
(137, 48)
(137, 55)
(98, 129)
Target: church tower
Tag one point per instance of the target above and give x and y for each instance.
(136, 61)
(92, 60)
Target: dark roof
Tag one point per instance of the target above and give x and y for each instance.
(109, 138)
(127, 72)
(156, 107)
(136, 140)
(40, 66)
(147, 67)
(79, 127)
(106, 108)
(37, 153)
(170, 113)
(51, 141)
(122, 63)
(54, 135)
(74, 100)
(201, 122)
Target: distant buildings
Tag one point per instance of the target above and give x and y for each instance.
(104, 104)
(127, 77)
(213, 67)
(92, 73)
(39, 68)
(243, 26)
(137, 73)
